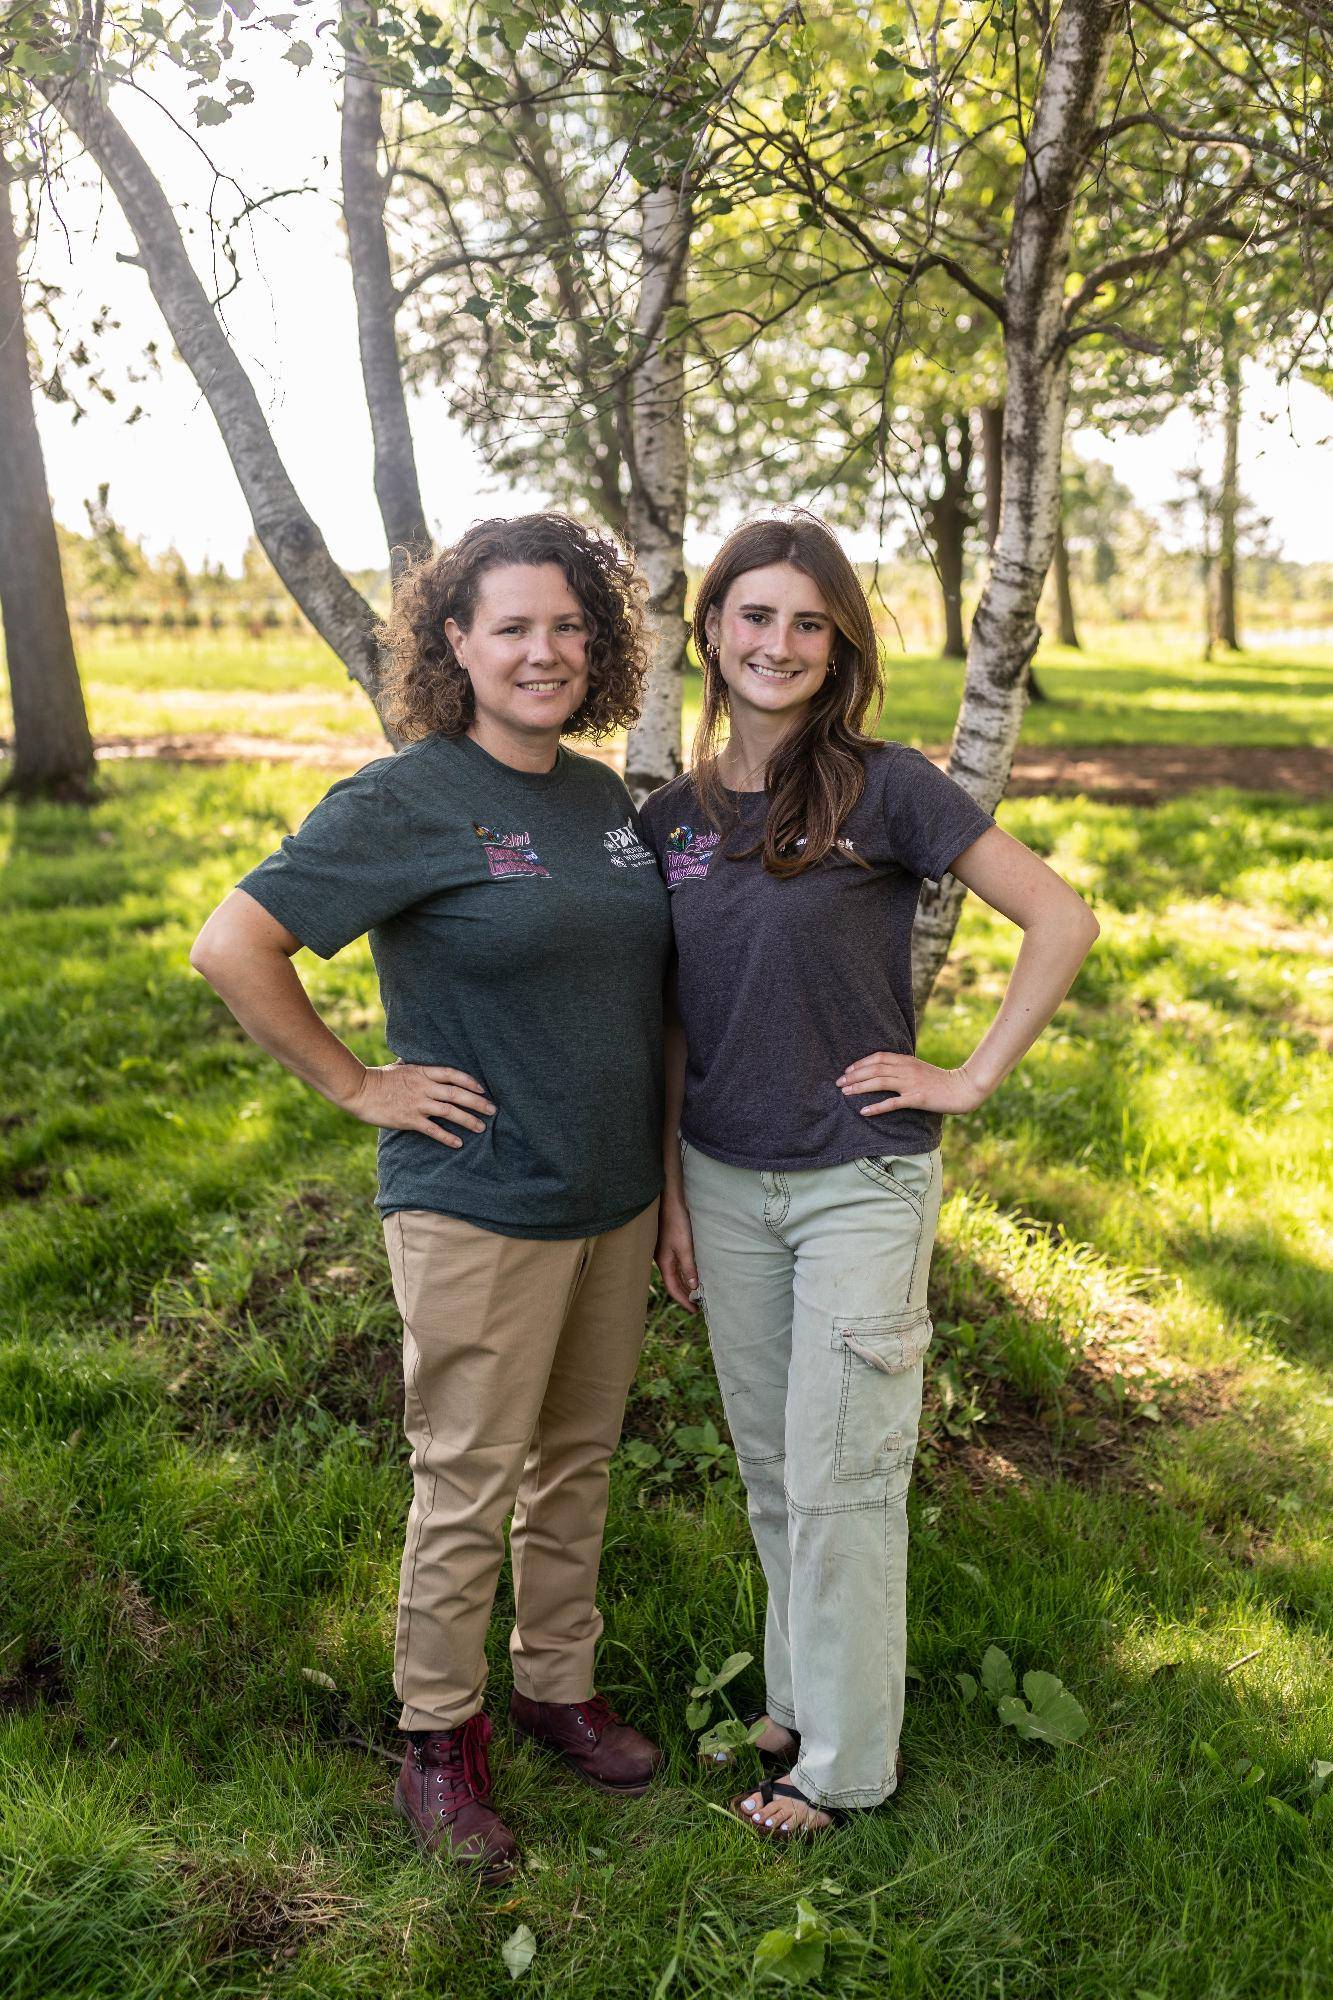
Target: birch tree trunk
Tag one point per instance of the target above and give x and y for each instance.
(288, 534)
(659, 480)
(947, 518)
(397, 488)
(1224, 623)
(1005, 631)
(992, 447)
(1064, 596)
(53, 749)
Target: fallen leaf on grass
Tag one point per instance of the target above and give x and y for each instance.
(519, 1951)
(320, 1680)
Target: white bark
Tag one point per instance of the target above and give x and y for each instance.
(659, 481)
(397, 488)
(290, 538)
(1005, 632)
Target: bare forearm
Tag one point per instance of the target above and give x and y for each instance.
(263, 990)
(673, 1050)
(1047, 963)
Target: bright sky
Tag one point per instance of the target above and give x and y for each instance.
(292, 320)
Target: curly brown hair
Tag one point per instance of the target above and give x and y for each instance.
(423, 690)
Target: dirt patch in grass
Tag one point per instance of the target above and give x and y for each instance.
(1120, 773)
(31, 1679)
(1119, 1395)
(270, 1915)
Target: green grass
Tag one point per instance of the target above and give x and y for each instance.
(1126, 687)
(1125, 1478)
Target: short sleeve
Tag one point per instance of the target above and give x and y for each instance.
(355, 861)
(928, 818)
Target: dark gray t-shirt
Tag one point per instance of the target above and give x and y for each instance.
(520, 931)
(784, 982)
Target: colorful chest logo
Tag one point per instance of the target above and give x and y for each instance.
(688, 854)
(625, 848)
(509, 853)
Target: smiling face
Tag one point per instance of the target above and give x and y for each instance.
(526, 655)
(774, 636)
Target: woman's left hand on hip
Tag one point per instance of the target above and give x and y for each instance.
(915, 1085)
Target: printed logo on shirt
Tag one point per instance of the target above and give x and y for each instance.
(688, 854)
(509, 853)
(625, 848)
(845, 846)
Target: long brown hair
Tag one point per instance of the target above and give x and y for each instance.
(815, 776)
(423, 689)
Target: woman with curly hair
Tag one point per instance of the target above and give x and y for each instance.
(520, 931)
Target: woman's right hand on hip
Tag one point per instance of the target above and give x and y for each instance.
(413, 1097)
(674, 1254)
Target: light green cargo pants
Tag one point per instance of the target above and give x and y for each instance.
(814, 1289)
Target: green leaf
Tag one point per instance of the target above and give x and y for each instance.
(772, 1950)
(997, 1675)
(518, 1951)
(781, 1955)
(697, 1714)
(968, 1688)
(1054, 1717)
(298, 55)
(209, 111)
(479, 308)
(727, 1735)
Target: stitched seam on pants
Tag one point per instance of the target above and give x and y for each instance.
(404, 1642)
(781, 1194)
(921, 1236)
(834, 1506)
(756, 1458)
(880, 1177)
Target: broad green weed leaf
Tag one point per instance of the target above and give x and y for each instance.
(1056, 1717)
(697, 1714)
(968, 1688)
(518, 1951)
(734, 1664)
(997, 1675)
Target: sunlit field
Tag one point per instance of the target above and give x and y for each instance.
(1125, 1480)
(1125, 686)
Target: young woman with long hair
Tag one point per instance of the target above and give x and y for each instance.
(802, 1161)
(520, 932)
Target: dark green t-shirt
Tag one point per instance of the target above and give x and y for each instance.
(520, 931)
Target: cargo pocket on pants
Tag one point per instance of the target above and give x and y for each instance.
(880, 1407)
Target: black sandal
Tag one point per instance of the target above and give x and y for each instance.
(783, 1789)
(778, 1788)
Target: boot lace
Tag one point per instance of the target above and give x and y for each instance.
(595, 1714)
(459, 1762)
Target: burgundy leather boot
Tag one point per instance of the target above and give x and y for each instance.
(592, 1739)
(444, 1794)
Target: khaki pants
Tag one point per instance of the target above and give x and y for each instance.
(517, 1359)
